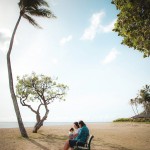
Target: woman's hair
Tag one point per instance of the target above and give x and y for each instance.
(76, 123)
(82, 123)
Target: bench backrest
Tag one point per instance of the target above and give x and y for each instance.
(88, 142)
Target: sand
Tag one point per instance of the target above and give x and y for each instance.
(107, 136)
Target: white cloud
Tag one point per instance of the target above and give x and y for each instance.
(5, 36)
(64, 40)
(90, 32)
(112, 55)
(96, 26)
(109, 27)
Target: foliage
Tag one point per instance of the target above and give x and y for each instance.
(38, 8)
(41, 89)
(133, 120)
(122, 120)
(143, 98)
(133, 24)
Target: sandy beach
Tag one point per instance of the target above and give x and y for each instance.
(107, 136)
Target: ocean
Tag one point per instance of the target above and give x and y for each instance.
(31, 124)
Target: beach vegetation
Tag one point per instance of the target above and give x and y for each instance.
(142, 98)
(147, 120)
(38, 91)
(28, 8)
(133, 24)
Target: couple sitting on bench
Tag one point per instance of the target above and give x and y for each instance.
(78, 138)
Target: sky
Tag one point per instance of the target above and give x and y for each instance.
(80, 48)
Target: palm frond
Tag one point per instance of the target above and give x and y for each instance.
(32, 21)
(21, 4)
(41, 12)
(35, 8)
(32, 3)
(43, 3)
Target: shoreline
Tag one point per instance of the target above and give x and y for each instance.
(31, 124)
(107, 136)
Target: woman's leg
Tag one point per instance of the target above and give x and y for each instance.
(66, 146)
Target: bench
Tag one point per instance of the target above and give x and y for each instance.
(87, 145)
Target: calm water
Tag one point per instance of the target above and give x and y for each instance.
(30, 124)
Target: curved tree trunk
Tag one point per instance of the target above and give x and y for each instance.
(11, 86)
(40, 121)
(38, 126)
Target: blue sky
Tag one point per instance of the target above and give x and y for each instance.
(80, 49)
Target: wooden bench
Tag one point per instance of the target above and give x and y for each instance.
(87, 145)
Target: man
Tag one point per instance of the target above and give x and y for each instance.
(80, 139)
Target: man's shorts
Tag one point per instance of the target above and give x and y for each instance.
(72, 143)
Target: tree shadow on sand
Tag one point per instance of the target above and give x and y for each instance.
(37, 144)
(48, 140)
(53, 137)
(107, 146)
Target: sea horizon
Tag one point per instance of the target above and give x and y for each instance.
(13, 124)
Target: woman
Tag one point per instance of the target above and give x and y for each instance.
(77, 129)
(81, 137)
(73, 134)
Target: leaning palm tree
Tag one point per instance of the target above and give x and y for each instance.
(136, 104)
(28, 8)
(132, 103)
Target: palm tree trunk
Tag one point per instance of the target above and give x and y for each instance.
(136, 108)
(133, 109)
(11, 86)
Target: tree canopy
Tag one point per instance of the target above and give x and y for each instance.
(133, 24)
(41, 89)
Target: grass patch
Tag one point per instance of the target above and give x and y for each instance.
(145, 120)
